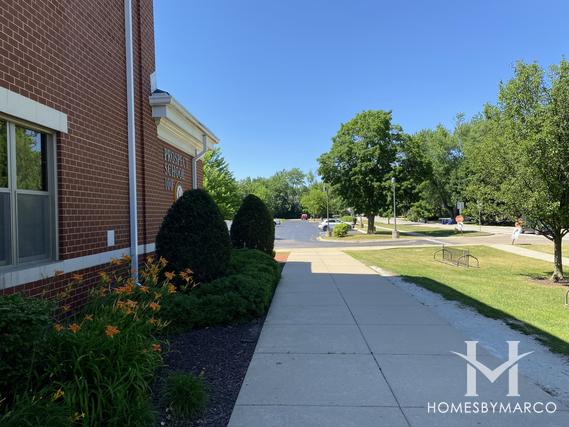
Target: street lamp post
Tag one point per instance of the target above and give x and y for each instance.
(394, 233)
(328, 231)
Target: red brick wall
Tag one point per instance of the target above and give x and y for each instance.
(69, 55)
(68, 293)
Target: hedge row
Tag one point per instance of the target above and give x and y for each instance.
(243, 294)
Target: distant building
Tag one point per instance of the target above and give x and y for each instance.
(65, 195)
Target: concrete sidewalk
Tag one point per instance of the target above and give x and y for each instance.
(520, 250)
(342, 346)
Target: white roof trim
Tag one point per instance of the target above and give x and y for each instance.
(177, 126)
(27, 109)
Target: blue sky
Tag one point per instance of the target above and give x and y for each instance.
(275, 79)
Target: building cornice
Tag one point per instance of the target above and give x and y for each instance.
(177, 126)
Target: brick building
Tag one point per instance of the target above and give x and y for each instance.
(77, 96)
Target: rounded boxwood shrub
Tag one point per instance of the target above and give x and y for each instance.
(341, 230)
(253, 226)
(194, 235)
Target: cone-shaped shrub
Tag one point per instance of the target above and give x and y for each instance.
(194, 235)
(253, 226)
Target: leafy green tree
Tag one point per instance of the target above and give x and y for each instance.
(361, 160)
(285, 188)
(482, 196)
(281, 192)
(314, 202)
(526, 150)
(221, 184)
(444, 156)
(257, 186)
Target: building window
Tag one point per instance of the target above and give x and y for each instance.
(27, 194)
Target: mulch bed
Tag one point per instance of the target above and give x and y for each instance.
(223, 354)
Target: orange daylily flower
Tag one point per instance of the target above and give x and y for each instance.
(111, 330)
(154, 306)
(163, 261)
(74, 327)
(144, 289)
(78, 416)
(88, 317)
(152, 321)
(58, 394)
(156, 347)
(77, 277)
(104, 276)
(58, 327)
(171, 289)
(169, 275)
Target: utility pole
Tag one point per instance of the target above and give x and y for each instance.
(394, 233)
(328, 230)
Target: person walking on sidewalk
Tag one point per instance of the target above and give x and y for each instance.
(516, 233)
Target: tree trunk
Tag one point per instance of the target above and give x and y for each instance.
(370, 224)
(557, 258)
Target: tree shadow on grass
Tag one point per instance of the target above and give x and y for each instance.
(554, 343)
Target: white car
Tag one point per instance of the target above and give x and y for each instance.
(332, 222)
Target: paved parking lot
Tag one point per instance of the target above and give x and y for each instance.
(295, 233)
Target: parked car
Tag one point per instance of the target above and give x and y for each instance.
(331, 223)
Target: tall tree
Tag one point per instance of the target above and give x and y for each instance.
(221, 184)
(257, 186)
(361, 160)
(444, 155)
(529, 144)
(285, 188)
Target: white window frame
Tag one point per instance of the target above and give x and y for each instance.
(14, 259)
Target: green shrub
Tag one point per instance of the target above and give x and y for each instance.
(98, 365)
(244, 294)
(194, 235)
(341, 230)
(347, 218)
(106, 367)
(253, 226)
(23, 326)
(38, 410)
(185, 395)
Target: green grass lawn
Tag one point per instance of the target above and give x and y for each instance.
(433, 231)
(506, 286)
